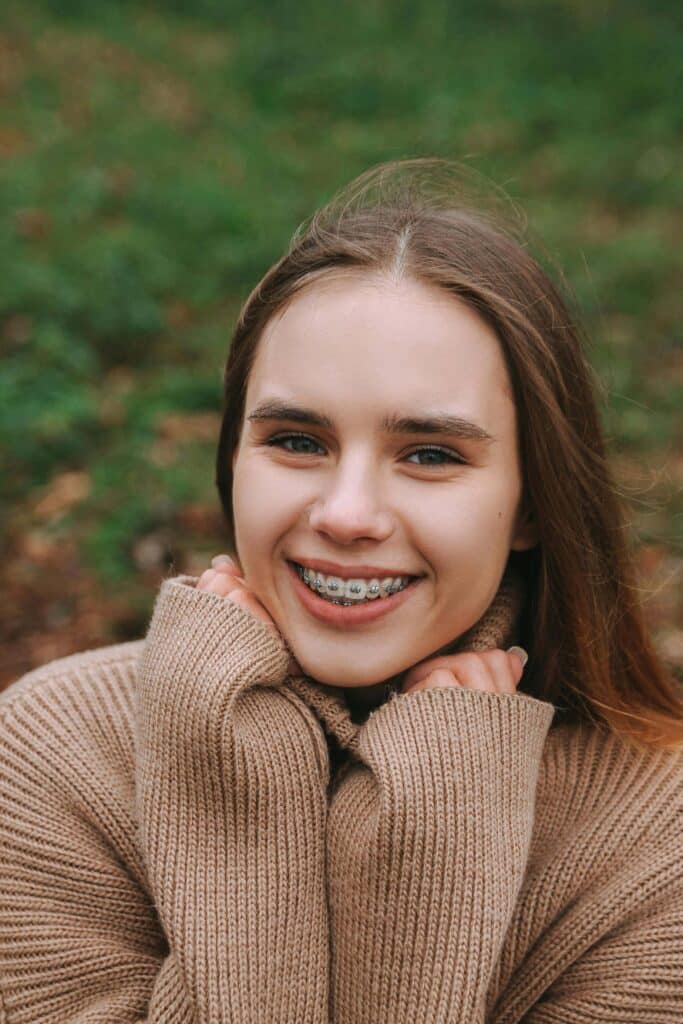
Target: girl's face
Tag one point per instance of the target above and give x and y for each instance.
(359, 354)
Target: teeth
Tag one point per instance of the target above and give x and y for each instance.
(388, 585)
(333, 587)
(352, 591)
(355, 590)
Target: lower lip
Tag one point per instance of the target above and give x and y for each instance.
(339, 614)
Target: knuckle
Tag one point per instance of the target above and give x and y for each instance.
(470, 659)
(442, 677)
(498, 658)
(222, 585)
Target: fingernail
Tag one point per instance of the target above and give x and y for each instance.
(521, 654)
(222, 560)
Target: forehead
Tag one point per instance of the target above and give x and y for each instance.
(379, 343)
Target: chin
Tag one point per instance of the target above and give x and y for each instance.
(347, 678)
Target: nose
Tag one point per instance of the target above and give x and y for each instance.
(351, 505)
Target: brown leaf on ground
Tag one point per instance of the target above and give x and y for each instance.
(63, 492)
(53, 607)
(197, 426)
(33, 224)
(205, 520)
(178, 314)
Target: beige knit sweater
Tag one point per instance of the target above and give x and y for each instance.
(176, 847)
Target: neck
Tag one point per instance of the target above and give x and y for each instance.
(361, 700)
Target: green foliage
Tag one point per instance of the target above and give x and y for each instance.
(156, 158)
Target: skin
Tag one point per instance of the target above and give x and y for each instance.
(356, 349)
(495, 671)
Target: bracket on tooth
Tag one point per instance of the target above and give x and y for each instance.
(316, 583)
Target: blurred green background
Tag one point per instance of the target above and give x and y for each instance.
(153, 163)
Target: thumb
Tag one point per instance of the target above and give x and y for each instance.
(227, 563)
(518, 659)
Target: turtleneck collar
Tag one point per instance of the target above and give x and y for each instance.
(497, 628)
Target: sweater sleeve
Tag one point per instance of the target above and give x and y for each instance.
(232, 797)
(634, 972)
(78, 936)
(216, 910)
(428, 839)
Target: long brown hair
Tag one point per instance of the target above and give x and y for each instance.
(583, 626)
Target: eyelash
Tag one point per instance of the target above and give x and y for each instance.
(276, 440)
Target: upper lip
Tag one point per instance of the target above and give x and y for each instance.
(348, 572)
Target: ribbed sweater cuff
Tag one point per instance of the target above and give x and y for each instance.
(446, 759)
(209, 633)
(470, 728)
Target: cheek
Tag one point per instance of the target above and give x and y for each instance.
(467, 540)
(263, 510)
(249, 510)
(477, 516)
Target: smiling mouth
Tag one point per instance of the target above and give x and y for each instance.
(351, 592)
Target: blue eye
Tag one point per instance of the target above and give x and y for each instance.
(451, 456)
(278, 442)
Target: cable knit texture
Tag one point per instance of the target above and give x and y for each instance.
(178, 845)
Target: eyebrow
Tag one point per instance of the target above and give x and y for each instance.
(435, 423)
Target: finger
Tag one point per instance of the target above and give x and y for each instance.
(472, 671)
(227, 586)
(503, 668)
(424, 668)
(221, 560)
(226, 564)
(456, 663)
(242, 597)
(205, 579)
(440, 677)
(219, 583)
(518, 657)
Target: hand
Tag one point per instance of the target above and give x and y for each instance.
(226, 579)
(494, 671)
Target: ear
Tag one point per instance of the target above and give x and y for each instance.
(526, 533)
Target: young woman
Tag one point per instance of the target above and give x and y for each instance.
(328, 786)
